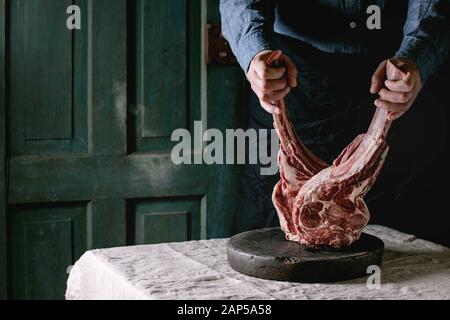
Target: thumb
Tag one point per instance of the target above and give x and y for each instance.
(378, 78)
(393, 72)
(291, 71)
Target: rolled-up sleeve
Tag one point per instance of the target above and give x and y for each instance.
(248, 27)
(426, 35)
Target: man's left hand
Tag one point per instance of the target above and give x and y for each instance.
(399, 95)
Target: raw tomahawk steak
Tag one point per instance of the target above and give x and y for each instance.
(321, 205)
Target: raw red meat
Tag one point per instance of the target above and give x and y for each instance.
(321, 205)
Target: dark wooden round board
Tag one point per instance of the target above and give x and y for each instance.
(266, 254)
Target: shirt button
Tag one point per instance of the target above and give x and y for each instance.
(353, 24)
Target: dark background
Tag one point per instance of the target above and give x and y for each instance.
(411, 193)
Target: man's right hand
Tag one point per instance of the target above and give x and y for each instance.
(271, 83)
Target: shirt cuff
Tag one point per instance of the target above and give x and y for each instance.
(421, 54)
(249, 46)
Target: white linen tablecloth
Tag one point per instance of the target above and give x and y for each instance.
(412, 269)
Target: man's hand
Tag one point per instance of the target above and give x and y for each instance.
(271, 83)
(396, 96)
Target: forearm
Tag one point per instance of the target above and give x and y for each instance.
(248, 27)
(426, 39)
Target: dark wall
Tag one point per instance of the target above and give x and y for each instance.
(412, 191)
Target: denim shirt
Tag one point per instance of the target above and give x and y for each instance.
(339, 26)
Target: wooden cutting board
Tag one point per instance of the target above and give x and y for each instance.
(266, 254)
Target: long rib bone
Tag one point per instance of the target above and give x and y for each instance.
(297, 164)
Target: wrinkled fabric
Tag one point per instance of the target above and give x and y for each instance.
(249, 26)
(197, 270)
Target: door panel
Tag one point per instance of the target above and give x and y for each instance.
(167, 220)
(48, 98)
(48, 111)
(47, 239)
(161, 49)
(163, 37)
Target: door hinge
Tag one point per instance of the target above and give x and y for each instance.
(218, 50)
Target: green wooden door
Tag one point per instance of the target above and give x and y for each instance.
(88, 117)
